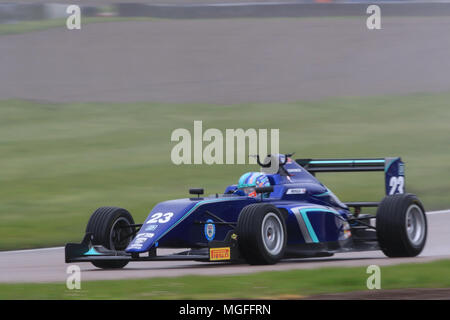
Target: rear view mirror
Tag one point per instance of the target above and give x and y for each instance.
(264, 189)
(197, 191)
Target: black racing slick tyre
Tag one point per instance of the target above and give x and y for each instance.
(108, 226)
(262, 235)
(401, 225)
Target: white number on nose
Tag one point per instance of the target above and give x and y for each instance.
(160, 217)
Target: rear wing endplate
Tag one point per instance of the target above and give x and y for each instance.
(394, 169)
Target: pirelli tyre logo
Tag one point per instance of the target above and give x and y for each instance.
(217, 254)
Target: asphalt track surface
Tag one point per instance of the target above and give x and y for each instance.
(47, 265)
(227, 60)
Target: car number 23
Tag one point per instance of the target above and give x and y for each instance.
(160, 217)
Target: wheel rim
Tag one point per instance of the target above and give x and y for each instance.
(272, 234)
(120, 234)
(415, 225)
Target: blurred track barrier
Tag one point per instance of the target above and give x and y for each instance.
(12, 12)
(279, 9)
(15, 12)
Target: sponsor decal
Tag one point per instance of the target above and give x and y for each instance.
(401, 169)
(140, 240)
(347, 230)
(216, 254)
(151, 227)
(145, 235)
(136, 245)
(296, 191)
(253, 194)
(294, 170)
(234, 236)
(210, 230)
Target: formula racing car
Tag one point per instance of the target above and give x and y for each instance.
(269, 215)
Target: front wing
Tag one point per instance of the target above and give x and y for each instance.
(216, 251)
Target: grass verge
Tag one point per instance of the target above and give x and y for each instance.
(264, 285)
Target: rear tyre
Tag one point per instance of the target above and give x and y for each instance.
(108, 226)
(262, 234)
(401, 225)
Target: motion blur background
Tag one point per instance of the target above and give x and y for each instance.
(86, 115)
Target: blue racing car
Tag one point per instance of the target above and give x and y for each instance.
(269, 215)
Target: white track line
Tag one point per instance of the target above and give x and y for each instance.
(32, 250)
(438, 212)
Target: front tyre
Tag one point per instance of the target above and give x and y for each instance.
(401, 225)
(111, 228)
(261, 234)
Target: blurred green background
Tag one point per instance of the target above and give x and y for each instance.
(59, 162)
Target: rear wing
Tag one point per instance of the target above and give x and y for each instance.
(394, 169)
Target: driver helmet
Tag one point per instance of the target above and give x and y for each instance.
(250, 180)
